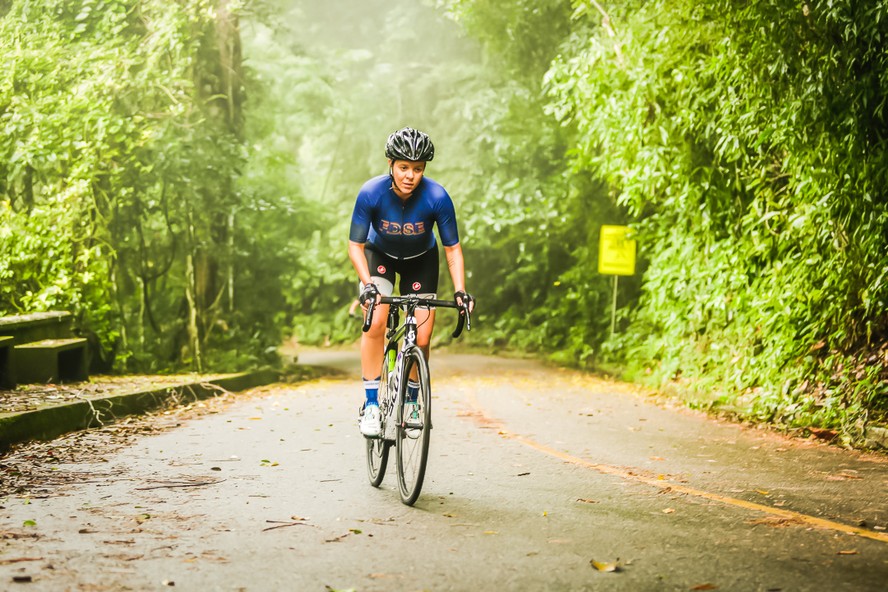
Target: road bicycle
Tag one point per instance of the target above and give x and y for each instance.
(406, 420)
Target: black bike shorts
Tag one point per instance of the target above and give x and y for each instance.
(418, 275)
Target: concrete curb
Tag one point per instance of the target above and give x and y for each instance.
(51, 422)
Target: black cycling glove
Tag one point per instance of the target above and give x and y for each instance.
(464, 300)
(369, 293)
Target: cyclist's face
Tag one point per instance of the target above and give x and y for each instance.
(407, 174)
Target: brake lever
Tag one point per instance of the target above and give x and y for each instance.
(460, 323)
(464, 322)
(368, 320)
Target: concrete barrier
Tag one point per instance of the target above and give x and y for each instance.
(53, 421)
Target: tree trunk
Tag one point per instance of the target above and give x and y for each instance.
(218, 75)
(194, 336)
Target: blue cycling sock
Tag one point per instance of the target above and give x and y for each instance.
(412, 391)
(372, 389)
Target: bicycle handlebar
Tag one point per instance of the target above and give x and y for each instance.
(464, 321)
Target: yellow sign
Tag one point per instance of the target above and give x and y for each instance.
(616, 251)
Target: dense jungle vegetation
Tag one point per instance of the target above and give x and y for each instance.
(181, 176)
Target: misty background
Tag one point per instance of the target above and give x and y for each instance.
(181, 177)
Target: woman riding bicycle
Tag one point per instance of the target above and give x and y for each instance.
(391, 233)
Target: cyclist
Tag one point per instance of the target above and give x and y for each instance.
(391, 233)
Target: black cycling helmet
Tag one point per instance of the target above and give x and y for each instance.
(409, 144)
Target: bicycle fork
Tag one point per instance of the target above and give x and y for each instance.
(394, 368)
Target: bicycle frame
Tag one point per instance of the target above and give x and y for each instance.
(405, 334)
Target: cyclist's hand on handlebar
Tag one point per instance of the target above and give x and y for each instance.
(465, 301)
(370, 293)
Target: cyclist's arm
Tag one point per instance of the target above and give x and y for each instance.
(457, 267)
(359, 261)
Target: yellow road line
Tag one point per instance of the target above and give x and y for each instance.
(667, 485)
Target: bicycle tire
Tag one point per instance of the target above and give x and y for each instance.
(377, 459)
(412, 442)
(378, 448)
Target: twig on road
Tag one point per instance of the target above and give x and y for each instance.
(283, 524)
(173, 484)
(19, 560)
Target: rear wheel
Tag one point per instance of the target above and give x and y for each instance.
(414, 427)
(378, 448)
(377, 459)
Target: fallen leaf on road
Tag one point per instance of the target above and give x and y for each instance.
(141, 518)
(490, 532)
(604, 566)
(705, 587)
(823, 434)
(761, 491)
(586, 501)
(775, 521)
(27, 523)
(847, 553)
(669, 511)
(845, 475)
(657, 458)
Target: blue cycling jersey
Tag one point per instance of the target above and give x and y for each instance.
(403, 228)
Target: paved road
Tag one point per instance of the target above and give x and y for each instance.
(535, 473)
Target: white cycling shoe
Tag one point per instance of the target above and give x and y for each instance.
(370, 423)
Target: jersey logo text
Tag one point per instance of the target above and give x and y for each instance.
(408, 229)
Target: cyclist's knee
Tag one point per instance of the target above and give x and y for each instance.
(377, 328)
(423, 341)
(375, 332)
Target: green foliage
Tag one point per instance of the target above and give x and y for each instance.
(750, 143)
(117, 174)
(530, 227)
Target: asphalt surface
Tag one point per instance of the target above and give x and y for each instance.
(538, 478)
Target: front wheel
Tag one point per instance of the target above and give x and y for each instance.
(414, 425)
